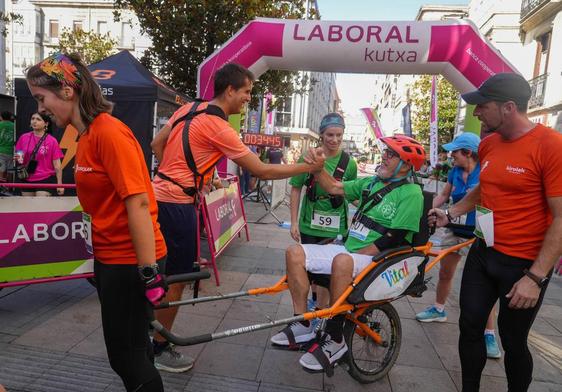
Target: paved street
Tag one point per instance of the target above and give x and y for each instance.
(51, 338)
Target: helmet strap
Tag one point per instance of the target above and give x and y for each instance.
(393, 177)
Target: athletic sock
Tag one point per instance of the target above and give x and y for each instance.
(439, 307)
(158, 347)
(490, 332)
(334, 327)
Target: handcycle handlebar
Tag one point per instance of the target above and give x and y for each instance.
(190, 277)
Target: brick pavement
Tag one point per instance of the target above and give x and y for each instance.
(51, 338)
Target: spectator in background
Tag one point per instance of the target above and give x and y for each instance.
(275, 156)
(425, 169)
(40, 153)
(6, 143)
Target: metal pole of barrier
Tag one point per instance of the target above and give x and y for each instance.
(27, 185)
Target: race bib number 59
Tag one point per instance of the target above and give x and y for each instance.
(325, 221)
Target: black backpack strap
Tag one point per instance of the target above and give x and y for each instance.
(190, 191)
(342, 166)
(310, 187)
(339, 172)
(190, 160)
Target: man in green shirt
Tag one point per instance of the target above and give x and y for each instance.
(6, 142)
(380, 223)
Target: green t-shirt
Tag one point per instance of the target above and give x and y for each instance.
(400, 209)
(323, 210)
(7, 137)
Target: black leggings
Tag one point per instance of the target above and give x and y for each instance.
(489, 275)
(125, 326)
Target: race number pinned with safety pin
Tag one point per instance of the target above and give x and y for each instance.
(484, 228)
(87, 232)
(359, 231)
(328, 221)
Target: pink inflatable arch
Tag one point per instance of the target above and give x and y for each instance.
(453, 48)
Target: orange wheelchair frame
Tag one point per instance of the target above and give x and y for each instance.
(364, 321)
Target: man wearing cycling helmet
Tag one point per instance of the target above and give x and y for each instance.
(380, 223)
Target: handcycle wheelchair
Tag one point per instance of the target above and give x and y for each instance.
(372, 330)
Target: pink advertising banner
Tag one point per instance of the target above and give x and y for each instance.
(225, 215)
(43, 239)
(373, 120)
(452, 48)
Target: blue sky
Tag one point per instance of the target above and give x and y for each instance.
(356, 90)
(376, 9)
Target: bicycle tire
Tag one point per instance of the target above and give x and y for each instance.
(362, 350)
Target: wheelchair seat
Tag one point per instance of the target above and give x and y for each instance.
(420, 238)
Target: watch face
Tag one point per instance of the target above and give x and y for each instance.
(148, 272)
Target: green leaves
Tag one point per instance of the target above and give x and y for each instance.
(447, 103)
(6, 18)
(92, 46)
(185, 32)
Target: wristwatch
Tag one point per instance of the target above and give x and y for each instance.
(448, 214)
(148, 272)
(541, 282)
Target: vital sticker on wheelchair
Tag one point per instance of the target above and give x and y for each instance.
(394, 280)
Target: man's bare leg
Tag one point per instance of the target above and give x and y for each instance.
(297, 277)
(342, 276)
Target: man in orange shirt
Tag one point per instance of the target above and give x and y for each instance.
(211, 138)
(519, 220)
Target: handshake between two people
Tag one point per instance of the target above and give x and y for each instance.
(316, 158)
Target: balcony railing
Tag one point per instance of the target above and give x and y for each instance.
(528, 6)
(538, 88)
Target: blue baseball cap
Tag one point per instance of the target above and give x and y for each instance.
(466, 140)
(332, 120)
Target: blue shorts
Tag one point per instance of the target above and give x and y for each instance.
(178, 223)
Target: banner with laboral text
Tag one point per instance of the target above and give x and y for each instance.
(43, 239)
(224, 217)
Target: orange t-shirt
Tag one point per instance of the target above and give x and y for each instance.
(516, 177)
(210, 137)
(110, 167)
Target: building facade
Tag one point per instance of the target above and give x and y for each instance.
(301, 114)
(526, 33)
(43, 21)
(541, 34)
(392, 92)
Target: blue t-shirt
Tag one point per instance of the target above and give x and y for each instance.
(461, 188)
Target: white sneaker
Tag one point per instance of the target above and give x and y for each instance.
(293, 334)
(328, 349)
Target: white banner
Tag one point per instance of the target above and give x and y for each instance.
(433, 142)
(278, 192)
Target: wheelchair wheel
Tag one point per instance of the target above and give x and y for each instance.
(369, 361)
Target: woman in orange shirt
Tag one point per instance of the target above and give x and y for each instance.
(115, 192)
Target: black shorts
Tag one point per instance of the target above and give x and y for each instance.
(178, 223)
(312, 239)
(48, 180)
